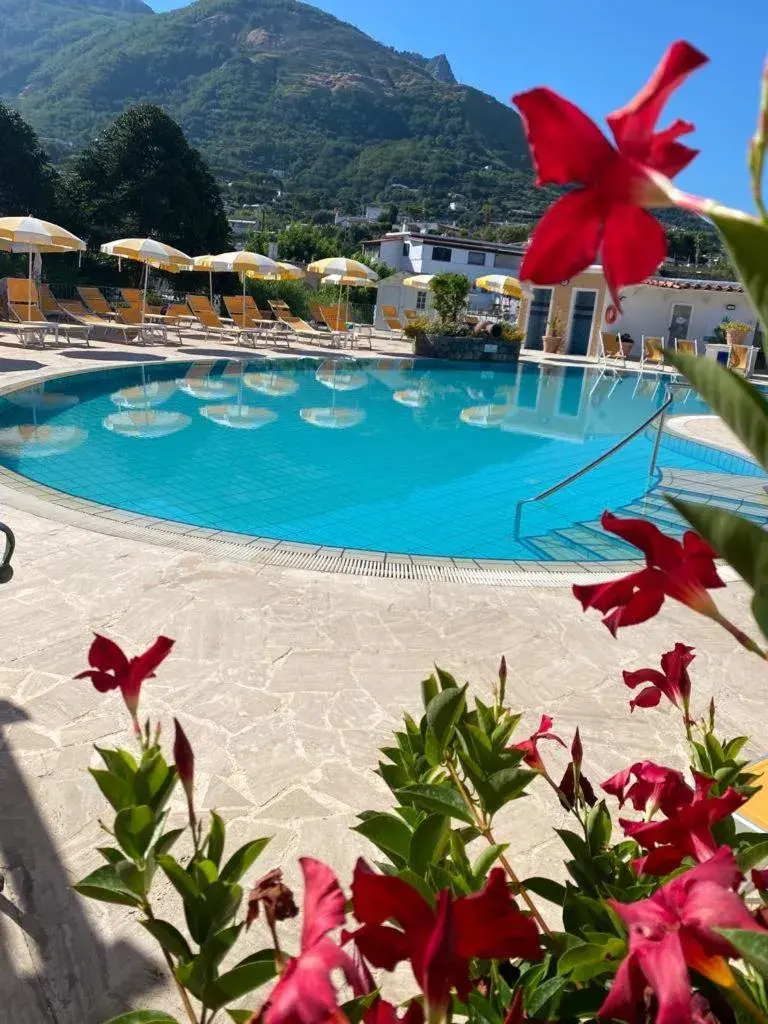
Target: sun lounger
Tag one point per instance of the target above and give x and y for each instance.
(611, 347)
(213, 325)
(95, 302)
(738, 358)
(391, 319)
(93, 324)
(131, 296)
(48, 301)
(27, 318)
(300, 327)
(411, 315)
(652, 352)
(688, 346)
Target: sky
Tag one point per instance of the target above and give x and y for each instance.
(597, 53)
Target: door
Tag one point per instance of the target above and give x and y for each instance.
(680, 321)
(537, 317)
(582, 320)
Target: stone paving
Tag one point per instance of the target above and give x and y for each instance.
(287, 683)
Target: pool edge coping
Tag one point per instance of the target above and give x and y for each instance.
(18, 491)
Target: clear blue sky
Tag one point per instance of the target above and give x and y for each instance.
(597, 53)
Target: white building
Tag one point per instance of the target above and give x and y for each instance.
(411, 253)
(673, 307)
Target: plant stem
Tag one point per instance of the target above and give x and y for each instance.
(758, 148)
(487, 834)
(183, 994)
(739, 634)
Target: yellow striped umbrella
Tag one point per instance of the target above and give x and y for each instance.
(342, 265)
(501, 284)
(241, 262)
(30, 235)
(422, 281)
(284, 272)
(204, 263)
(151, 253)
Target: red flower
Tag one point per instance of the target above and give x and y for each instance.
(383, 1012)
(304, 994)
(609, 211)
(673, 682)
(687, 832)
(683, 570)
(655, 788)
(530, 746)
(672, 931)
(184, 757)
(110, 668)
(439, 943)
(760, 880)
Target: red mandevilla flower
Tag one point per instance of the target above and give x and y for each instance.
(438, 943)
(111, 668)
(673, 682)
(672, 931)
(683, 570)
(655, 788)
(687, 832)
(530, 746)
(609, 211)
(305, 994)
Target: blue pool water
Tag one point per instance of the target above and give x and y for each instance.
(425, 460)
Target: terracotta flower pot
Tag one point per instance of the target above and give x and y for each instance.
(626, 348)
(551, 343)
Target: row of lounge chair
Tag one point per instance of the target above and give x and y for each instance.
(35, 312)
(393, 321)
(653, 349)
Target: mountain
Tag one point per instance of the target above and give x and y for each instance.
(275, 86)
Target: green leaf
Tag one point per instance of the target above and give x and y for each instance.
(733, 747)
(485, 860)
(746, 239)
(442, 799)
(133, 876)
(242, 859)
(578, 956)
(170, 938)
(204, 872)
(181, 880)
(547, 889)
(144, 1017)
(447, 682)
(222, 900)
(166, 841)
(443, 713)
(119, 762)
(743, 544)
(134, 828)
(539, 998)
(429, 690)
(599, 827)
(506, 785)
(734, 400)
(386, 831)
(110, 854)
(753, 947)
(216, 838)
(249, 974)
(240, 1016)
(105, 884)
(752, 856)
(428, 843)
(115, 789)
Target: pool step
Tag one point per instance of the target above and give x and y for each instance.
(587, 541)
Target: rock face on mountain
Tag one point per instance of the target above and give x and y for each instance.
(270, 86)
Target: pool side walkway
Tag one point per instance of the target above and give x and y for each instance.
(286, 682)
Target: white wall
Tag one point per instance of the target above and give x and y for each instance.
(647, 310)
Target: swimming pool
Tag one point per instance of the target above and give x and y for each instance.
(420, 458)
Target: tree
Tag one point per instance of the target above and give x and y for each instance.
(449, 295)
(28, 182)
(140, 178)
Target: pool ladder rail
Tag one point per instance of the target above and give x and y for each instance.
(6, 569)
(659, 414)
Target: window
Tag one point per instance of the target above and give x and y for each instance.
(507, 260)
(442, 254)
(476, 259)
(421, 301)
(406, 249)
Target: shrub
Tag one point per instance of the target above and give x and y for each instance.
(449, 296)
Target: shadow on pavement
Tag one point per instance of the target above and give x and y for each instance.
(54, 969)
(9, 365)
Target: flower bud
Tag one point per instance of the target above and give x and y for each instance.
(577, 751)
(185, 766)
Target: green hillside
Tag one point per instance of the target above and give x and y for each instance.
(277, 85)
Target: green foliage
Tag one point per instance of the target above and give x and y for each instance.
(449, 296)
(27, 180)
(141, 178)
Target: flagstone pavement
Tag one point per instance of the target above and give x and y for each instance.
(286, 683)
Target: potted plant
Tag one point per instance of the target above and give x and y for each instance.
(627, 343)
(737, 332)
(553, 339)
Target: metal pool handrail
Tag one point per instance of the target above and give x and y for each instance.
(658, 414)
(6, 570)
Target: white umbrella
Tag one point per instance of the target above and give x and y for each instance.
(242, 262)
(342, 265)
(151, 253)
(31, 235)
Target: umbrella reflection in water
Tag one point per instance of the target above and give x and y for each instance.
(198, 382)
(38, 398)
(34, 442)
(149, 424)
(340, 377)
(278, 385)
(332, 418)
(240, 417)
